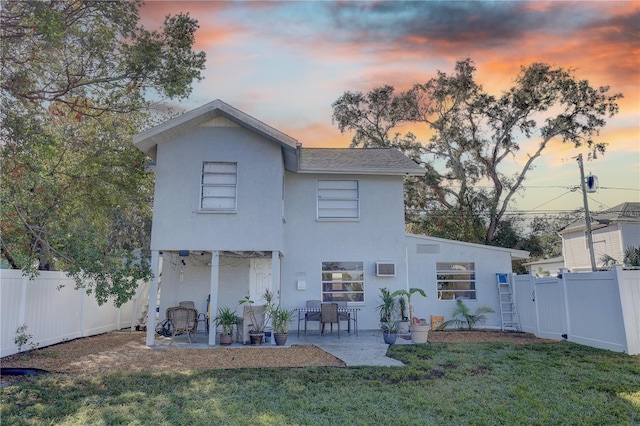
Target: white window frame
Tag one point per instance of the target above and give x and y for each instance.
(219, 185)
(451, 278)
(338, 199)
(343, 281)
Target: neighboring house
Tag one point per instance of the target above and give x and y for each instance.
(546, 267)
(613, 231)
(240, 207)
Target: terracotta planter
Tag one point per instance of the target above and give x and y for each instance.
(281, 338)
(226, 339)
(419, 333)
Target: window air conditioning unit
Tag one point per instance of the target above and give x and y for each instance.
(385, 269)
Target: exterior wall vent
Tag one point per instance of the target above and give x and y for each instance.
(385, 269)
(428, 248)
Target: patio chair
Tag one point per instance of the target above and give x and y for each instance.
(201, 317)
(183, 320)
(329, 315)
(312, 316)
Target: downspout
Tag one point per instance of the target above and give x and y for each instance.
(406, 263)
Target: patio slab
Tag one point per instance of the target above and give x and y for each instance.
(366, 349)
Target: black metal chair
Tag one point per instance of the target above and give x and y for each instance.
(344, 316)
(312, 316)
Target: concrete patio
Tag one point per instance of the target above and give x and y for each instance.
(366, 349)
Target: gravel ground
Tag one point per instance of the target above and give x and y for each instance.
(126, 351)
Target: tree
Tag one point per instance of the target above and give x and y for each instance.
(464, 192)
(76, 83)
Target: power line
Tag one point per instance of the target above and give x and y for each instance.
(553, 199)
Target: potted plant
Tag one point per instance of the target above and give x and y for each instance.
(419, 332)
(256, 332)
(281, 319)
(403, 324)
(388, 317)
(226, 318)
(389, 328)
(387, 305)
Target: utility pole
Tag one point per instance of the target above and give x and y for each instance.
(587, 215)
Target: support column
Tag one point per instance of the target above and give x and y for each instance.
(275, 272)
(153, 297)
(213, 292)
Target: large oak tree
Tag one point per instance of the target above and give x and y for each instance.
(466, 189)
(78, 80)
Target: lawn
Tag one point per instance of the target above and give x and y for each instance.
(461, 383)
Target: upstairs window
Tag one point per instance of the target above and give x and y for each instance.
(456, 280)
(338, 199)
(219, 186)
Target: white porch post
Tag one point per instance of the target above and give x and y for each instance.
(275, 272)
(213, 292)
(153, 297)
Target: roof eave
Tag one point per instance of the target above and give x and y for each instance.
(150, 138)
(363, 171)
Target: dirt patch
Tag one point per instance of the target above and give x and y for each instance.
(458, 336)
(126, 351)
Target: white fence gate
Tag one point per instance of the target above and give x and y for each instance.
(599, 309)
(52, 311)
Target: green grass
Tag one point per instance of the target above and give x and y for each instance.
(442, 384)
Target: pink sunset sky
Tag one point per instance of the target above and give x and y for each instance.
(285, 63)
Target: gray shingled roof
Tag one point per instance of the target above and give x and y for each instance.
(357, 160)
(622, 213)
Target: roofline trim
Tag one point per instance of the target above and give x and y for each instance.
(515, 253)
(363, 171)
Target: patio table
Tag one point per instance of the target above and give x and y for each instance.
(353, 316)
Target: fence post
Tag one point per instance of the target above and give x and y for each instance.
(83, 312)
(567, 315)
(23, 300)
(536, 300)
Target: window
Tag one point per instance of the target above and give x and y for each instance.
(342, 281)
(456, 280)
(338, 199)
(219, 182)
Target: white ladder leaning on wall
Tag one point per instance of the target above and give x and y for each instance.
(508, 313)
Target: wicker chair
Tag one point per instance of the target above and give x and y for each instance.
(183, 320)
(329, 315)
(202, 317)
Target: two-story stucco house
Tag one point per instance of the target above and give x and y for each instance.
(240, 207)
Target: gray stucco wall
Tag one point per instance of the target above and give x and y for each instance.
(178, 222)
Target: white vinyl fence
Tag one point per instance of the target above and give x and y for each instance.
(52, 311)
(598, 309)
